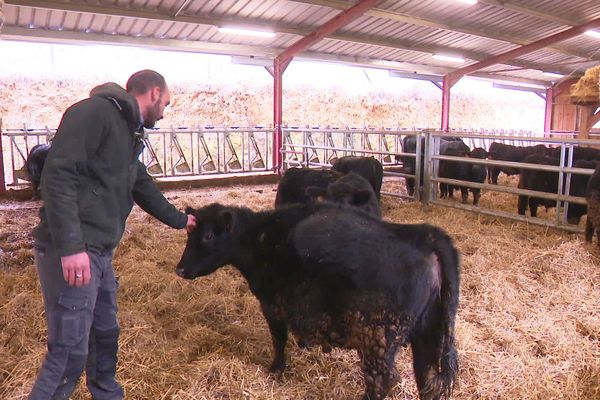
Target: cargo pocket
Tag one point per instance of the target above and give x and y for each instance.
(72, 321)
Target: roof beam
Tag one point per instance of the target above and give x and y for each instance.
(44, 35)
(439, 24)
(339, 21)
(530, 11)
(153, 15)
(509, 55)
(48, 36)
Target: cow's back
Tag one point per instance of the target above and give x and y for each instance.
(367, 167)
(292, 186)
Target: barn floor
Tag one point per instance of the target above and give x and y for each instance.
(528, 324)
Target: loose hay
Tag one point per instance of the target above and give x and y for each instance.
(528, 325)
(587, 88)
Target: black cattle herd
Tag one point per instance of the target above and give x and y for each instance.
(580, 185)
(325, 266)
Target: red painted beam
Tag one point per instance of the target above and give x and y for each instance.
(446, 104)
(328, 28)
(549, 111)
(2, 178)
(277, 114)
(519, 51)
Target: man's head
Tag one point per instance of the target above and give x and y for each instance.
(152, 93)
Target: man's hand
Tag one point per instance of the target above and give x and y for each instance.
(191, 223)
(76, 269)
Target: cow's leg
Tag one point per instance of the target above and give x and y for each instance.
(443, 190)
(410, 186)
(522, 204)
(494, 172)
(464, 194)
(589, 230)
(533, 206)
(476, 196)
(279, 333)
(378, 360)
(426, 352)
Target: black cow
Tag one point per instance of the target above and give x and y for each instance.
(453, 169)
(578, 187)
(409, 164)
(293, 185)
(547, 181)
(351, 190)
(592, 195)
(466, 172)
(507, 152)
(579, 153)
(34, 165)
(477, 172)
(338, 278)
(541, 181)
(367, 167)
(306, 186)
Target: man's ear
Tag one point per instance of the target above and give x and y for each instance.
(154, 94)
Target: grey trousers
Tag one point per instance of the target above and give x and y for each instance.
(83, 331)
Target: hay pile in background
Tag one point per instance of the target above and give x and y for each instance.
(587, 88)
(40, 102)
(528, 324)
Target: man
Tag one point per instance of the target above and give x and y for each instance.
(90, 180)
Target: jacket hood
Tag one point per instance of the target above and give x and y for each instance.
(125, 102)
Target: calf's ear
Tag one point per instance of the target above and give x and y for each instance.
(189, 210)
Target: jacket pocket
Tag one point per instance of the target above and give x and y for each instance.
(72, 320)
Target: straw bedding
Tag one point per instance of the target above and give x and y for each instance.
(528, 325)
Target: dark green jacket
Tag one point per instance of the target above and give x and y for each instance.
(92, 175)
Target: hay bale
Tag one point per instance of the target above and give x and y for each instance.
(587, 89)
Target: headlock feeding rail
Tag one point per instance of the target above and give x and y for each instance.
(184, 153)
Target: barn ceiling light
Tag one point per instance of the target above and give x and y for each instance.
(246, 32)
(552, 74)
(469, 2)
(445, 57)
(594, 34)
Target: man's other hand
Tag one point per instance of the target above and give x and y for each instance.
(76, 269)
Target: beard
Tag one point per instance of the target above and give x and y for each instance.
(152, 114)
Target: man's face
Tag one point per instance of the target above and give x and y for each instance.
(159, 100)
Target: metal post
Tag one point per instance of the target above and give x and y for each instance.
(424, 171)
(278, 69)
(447, 84)
(549, 111)
(2, 177)
(559, 191)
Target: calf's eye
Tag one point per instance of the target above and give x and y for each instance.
(208, 237)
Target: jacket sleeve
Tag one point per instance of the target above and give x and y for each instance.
(147, 195)
(80, 132)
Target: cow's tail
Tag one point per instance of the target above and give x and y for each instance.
(449, 258)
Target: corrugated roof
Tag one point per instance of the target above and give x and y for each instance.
(398, 35)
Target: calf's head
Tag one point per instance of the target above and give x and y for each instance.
(208, 246)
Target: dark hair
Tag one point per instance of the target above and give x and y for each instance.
(142, 81)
